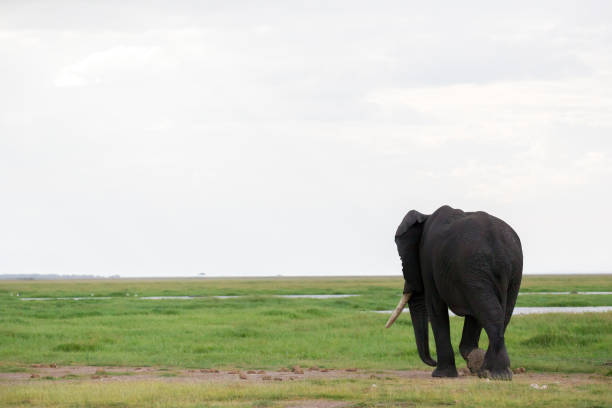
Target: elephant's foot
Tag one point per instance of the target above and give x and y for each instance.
(445, 372)
(496, 364)
(504, 374)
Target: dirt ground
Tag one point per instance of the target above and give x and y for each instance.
(37, 372)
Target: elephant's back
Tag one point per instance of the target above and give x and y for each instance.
(484, 237)
(473, 230)
(472, 247)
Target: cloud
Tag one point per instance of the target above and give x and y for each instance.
(170, 136)
(526, 179)
(120, 63)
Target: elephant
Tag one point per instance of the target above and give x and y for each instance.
(470, 262)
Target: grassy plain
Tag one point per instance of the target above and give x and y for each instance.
(260, 331)
(377, 286)
(392, 392)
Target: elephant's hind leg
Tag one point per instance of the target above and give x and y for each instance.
(496, 363)
(491, 315)
(470, 336)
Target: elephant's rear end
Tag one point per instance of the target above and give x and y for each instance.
(490, 260)
(481, 256)
(507, 266)
(509, 246)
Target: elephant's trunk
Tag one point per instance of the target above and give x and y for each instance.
(420, 322)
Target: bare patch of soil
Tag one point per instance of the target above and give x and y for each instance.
(318, 404)
(39, 372)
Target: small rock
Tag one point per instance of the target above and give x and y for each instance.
(475, 359)
(242, 376)
(464, 371)
(266, 377)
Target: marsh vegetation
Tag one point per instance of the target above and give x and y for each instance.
(259, 331)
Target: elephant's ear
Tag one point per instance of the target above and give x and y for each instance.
(408, 239)
(413, 217)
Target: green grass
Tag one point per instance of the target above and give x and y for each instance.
(264, 332)
(564, 300)
(561, 283)
(375, 286)
(261, 331)
(360, 393)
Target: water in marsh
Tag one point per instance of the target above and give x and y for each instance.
(193, 297)
(565, 293)
(71, 298)
(315, 296)
(543, 310)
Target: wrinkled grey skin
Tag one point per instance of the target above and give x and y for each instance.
(470, 262)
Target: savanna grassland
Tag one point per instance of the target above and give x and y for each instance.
(258, 331)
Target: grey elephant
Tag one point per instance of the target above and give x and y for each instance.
(470, 262)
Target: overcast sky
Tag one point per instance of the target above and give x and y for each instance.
(146, 138)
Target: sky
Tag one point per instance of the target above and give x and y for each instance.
(238, 138)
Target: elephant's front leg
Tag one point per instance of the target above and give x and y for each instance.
(438, 315)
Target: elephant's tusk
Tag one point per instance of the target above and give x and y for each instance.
(398, 310)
